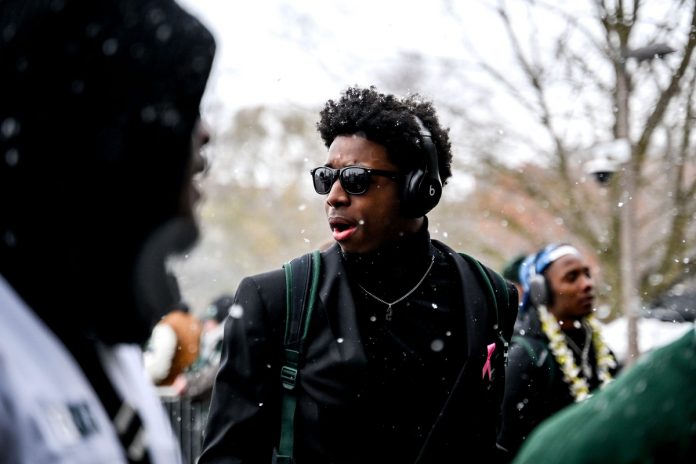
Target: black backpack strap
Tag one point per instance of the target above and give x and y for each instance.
(301, 285)
(497, 296)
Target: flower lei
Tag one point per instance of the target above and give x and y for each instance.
(565, 359)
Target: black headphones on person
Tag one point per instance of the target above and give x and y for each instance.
(422, 187)
(540, 292)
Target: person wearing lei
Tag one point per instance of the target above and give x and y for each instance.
(557, 356)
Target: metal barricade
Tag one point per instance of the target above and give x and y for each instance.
(188, 418)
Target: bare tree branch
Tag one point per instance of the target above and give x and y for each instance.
(666, 96)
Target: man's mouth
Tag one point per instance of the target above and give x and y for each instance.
(342, 230)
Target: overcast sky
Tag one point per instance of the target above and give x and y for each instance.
(309, 50)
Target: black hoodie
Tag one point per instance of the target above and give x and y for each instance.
(99, 100)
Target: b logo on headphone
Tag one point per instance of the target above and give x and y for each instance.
(422, 187)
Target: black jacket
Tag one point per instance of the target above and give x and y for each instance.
(370, 389)
(534, 385)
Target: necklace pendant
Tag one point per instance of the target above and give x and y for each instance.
(388, 314)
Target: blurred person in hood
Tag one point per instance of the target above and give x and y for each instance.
(403, 358)
(100, 140)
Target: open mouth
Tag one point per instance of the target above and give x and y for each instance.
(341, 229)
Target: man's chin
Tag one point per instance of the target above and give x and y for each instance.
(355, 247)
(586, 311)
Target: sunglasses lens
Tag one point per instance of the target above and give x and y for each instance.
(323, 180)
(355, 180)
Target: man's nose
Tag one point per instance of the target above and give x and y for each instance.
(337, 195)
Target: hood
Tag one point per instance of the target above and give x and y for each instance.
(99, 103)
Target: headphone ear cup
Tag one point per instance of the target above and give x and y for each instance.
(421, 194)
(431, 191)
(410, 206)
(538, 290)
(422, 187)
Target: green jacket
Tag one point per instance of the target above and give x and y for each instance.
(647, 415)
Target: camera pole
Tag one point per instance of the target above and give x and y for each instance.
(629, 296)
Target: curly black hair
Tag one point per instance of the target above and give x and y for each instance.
(388, 121)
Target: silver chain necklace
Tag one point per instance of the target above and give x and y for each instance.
(388, 315)
(585, 353)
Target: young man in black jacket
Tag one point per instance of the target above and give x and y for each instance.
(404, 355)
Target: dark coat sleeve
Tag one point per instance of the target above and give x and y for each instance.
(244, 414)
(507, 322)
(526, 387)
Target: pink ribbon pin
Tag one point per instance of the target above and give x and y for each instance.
(487, 366)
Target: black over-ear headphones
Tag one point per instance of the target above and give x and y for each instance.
(540, 291)
(422, 187)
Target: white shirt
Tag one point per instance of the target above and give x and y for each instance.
(49, 413)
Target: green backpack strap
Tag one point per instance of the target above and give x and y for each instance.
(301, 284)
(494, 289)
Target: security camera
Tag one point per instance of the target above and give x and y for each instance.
(606, 159)
(602, 169)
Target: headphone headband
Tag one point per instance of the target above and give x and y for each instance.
(422, 187)
(431, 167)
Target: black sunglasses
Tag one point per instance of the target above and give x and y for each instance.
(355, 180)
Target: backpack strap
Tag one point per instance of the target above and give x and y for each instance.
(496, 289)
(301, 284)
